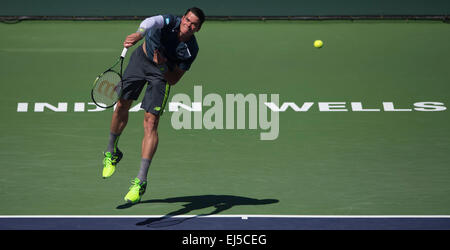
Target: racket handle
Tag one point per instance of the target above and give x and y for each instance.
(124, 52)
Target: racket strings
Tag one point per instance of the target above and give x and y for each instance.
(106, 91)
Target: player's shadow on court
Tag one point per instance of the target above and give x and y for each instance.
(219, 202)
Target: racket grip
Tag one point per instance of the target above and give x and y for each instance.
(124, 52)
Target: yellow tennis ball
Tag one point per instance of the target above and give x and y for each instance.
(318, 43)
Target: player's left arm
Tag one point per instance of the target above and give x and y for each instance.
(177, 72)
(174, 76)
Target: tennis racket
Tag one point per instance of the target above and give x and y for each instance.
(107, 87)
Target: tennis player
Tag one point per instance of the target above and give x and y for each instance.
(167, 52)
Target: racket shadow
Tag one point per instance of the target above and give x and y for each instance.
(219, 202)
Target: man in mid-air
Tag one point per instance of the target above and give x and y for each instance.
(167, 52)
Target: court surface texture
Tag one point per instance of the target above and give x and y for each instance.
(357, 137)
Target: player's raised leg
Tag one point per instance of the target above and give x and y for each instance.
(112, 154)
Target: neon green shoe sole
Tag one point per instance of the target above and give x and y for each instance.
(136, 192)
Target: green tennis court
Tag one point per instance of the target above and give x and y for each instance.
(374, 141)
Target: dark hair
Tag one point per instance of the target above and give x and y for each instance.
(197, 12)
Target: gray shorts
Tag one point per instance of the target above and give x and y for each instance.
(141, 70)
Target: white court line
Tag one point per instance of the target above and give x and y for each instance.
(226, 216)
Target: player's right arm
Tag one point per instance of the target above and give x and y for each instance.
(148, 23)
(132, 39)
